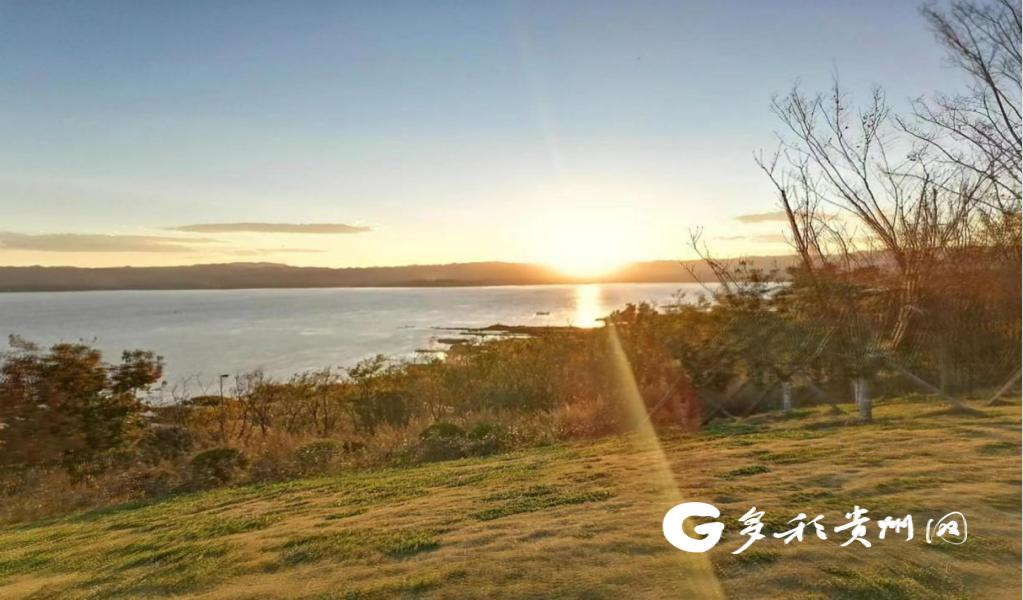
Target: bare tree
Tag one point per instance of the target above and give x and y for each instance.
(899, 214)
(908, 205)
(978, 131)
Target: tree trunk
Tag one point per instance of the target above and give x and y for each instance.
(861, 394)
(786, 398)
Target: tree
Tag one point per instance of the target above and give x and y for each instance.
(978, 130)
(66, 405)
(892, 215)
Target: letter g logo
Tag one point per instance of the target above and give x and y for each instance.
(675, 518)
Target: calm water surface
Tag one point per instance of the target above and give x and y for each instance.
(201, 333)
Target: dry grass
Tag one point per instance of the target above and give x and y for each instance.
(570, 521)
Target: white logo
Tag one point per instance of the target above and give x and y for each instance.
(674, 520)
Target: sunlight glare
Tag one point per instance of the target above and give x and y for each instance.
(584, 244)
(696, 569)
(587, 306)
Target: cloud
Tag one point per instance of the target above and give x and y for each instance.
(318, 228)
(767, 238)
(766, 217)
(262, 251)
(82, 242)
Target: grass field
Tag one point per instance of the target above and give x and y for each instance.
(580, 520)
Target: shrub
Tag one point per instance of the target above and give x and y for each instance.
(273, 461)
(164, 442)
(447, 441)
(89, 466)
(442, 430)
(485, 439)
(482, 431)
(378, 396)
(434, 449)
(217, 466)
(150, 482)
(318, 455)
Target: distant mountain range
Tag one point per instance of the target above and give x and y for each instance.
(272, 275)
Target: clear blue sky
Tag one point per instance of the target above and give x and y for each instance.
(454, 131)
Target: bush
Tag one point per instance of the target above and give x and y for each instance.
(485, 439)
(437, 449)
(93, 465)
(272, 462)
(164, 442)
(318, 455)
(217, 466)
(145, 483)
(442, 430)
(482, 431)
(447, 441)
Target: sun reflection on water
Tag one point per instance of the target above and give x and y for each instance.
(588, 305)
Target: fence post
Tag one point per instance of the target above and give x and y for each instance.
(786, 397)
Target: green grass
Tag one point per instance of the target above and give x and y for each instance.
(746, 471)
(580, 520)
(356, 543)
(534, 498)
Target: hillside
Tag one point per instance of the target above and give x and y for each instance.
(271, 275)
(579, 520)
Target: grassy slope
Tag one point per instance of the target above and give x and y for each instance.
(579, 520)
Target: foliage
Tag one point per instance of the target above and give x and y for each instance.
(164, 442)
(318, 455)
(921, 263)
(377, 395)
(217, 466)
(66, 406)
(447, 441)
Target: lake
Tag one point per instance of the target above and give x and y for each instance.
(201, 333)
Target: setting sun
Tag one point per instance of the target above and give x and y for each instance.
(585, 245)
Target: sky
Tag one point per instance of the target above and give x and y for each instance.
(385, 132)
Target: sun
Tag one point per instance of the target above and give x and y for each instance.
(584, 257)
(583, 246)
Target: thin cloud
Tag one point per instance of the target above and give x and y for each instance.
(765, 217)
(82, 242)
(767, 238)
(263, 251)
(315, 228)
(777, 216)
